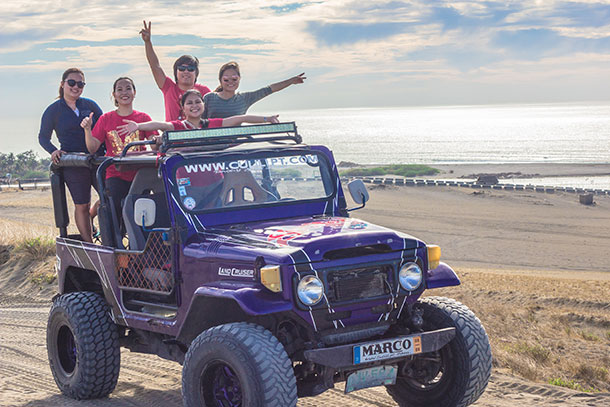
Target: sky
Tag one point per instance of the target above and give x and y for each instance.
(354, 53)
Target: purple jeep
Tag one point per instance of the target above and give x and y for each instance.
(234, 255)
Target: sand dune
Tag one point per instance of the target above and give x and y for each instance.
(535, 268)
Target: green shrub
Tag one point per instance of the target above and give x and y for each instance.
(39, 248)
(35, 174)
(535, 352)
(287, 173)
(403, 170)
(570, 384)
(587, 336)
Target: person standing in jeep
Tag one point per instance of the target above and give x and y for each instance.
(186, 70)
(64, 117)
(105, 132)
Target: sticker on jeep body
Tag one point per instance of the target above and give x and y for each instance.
(235, 272)
(387, 349)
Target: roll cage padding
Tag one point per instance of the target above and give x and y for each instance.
(60, 205)
(146, 184)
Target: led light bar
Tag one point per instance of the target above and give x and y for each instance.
(230, 132)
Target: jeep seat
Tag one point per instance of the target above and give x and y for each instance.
(146, 184)
(238, 185)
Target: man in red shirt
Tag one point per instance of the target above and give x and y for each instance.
(186, 70)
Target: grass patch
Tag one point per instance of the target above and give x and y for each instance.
(288, 173)
(587, 336)
(43, 278)
(403, 170)
(535, 352)
(523, 367)
(589, 373)
(38, 248)
(570, 384)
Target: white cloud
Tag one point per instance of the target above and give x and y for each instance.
(437, 55)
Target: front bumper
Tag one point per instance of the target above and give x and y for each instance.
(344, 356)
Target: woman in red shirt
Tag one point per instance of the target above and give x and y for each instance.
(106, 131)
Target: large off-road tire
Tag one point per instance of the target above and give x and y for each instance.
(238, 364)
(458, 373)
(83, 346)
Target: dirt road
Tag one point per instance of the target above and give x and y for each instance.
(148, 381)
(556, 247)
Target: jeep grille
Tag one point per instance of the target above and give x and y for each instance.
(368, 282)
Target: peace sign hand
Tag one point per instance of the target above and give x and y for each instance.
(300, 78)
(146, 32)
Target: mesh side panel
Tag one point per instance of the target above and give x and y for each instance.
(150, 269)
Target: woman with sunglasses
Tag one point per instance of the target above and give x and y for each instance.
(64, 117)
(105, 131)
(225, 101)
(186, 70)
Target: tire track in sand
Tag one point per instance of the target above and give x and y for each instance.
(149, 381)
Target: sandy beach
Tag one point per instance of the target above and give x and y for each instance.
(535, 268)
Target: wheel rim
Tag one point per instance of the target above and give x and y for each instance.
(431, 372)
(220, 386)
(66, 350)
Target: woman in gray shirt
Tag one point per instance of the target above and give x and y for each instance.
(225, 101)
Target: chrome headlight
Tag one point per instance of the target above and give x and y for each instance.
(410, 276)
(310, 290)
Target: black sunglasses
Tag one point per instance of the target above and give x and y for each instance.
(190, 68)
(72, 82)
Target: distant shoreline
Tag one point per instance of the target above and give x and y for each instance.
(538, 170)
(513, 170)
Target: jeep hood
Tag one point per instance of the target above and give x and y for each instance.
(315, 236)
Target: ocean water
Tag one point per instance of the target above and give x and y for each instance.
(462, 134)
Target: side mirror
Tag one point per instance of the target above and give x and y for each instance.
(359, 193)
(144, 211)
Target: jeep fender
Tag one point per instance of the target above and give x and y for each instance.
(441, 276)
(213, 306)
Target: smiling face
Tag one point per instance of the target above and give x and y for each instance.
(229, 80)
(186, 69)
(193, 106)
(187, 74)
(72, 92)
(124, 92)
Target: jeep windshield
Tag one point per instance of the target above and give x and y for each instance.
(246, 180)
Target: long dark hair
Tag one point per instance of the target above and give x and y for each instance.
(63, 79)
(133, 85)
(228, 65)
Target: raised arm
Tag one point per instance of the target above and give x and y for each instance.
(92, 143)
(151, 56)
(300, 78)
(132, 126)
(248, 118)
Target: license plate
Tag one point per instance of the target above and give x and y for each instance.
(387, 349)
(371, 377)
